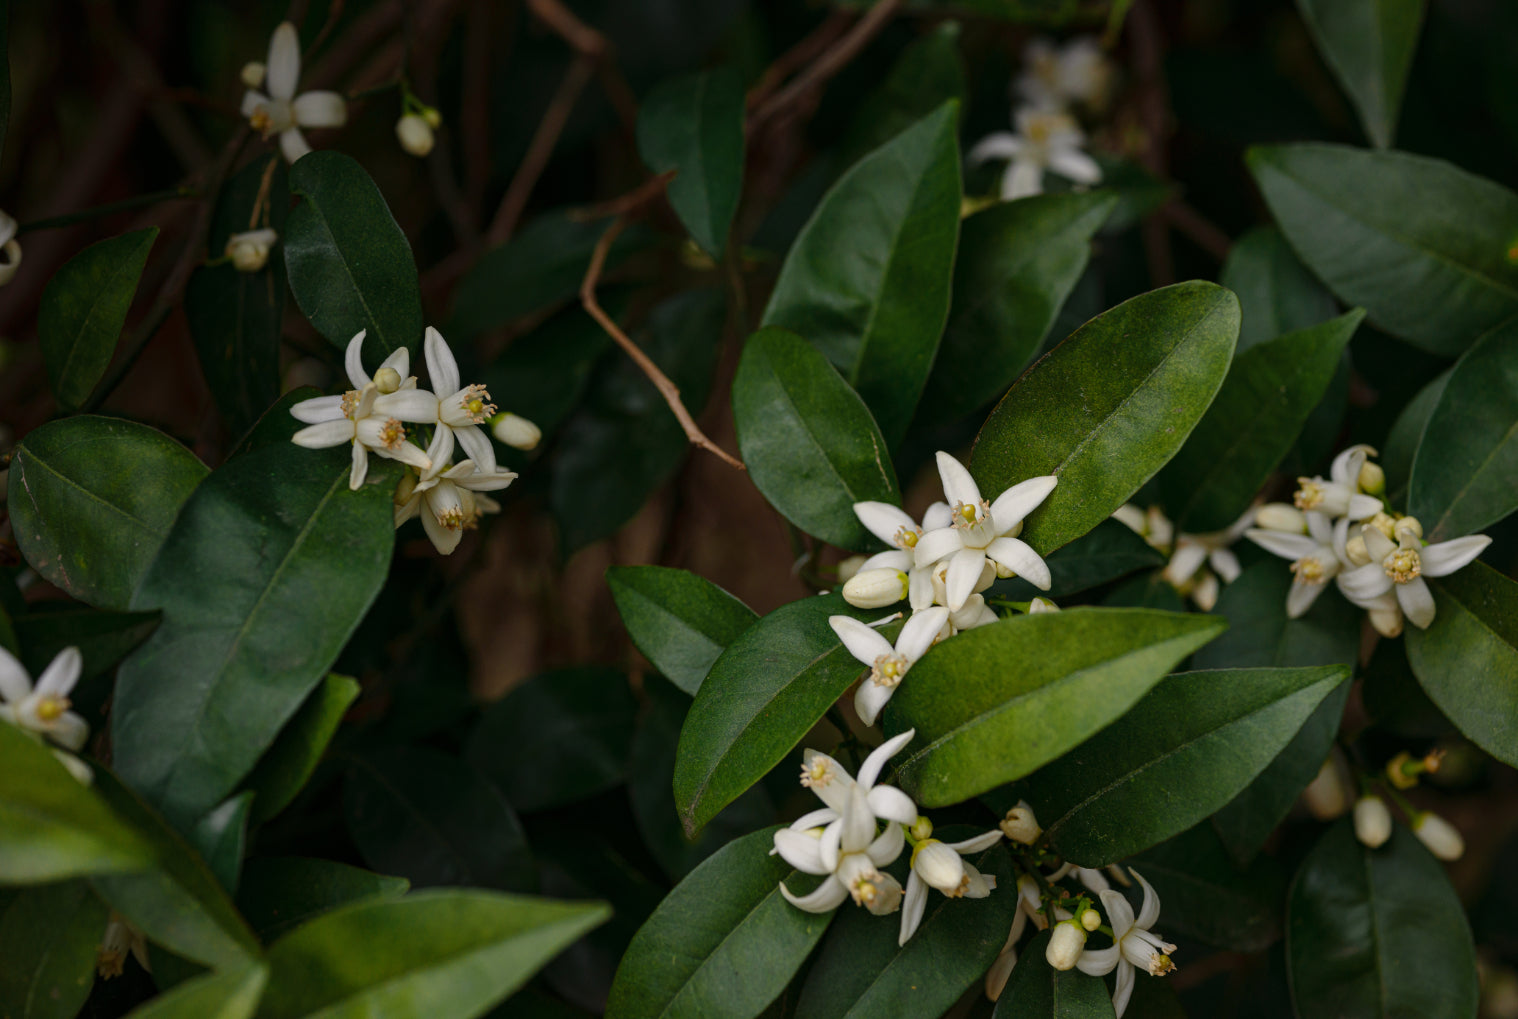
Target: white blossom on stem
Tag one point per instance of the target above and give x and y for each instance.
(451, 406)
(366, 430)
(1339, 495)
(896, 528)
(281, 111)
(249, 250)
(1044, 141)
(1133, 944)
(1058, 76)
(449, 499)
(848, 851)
(888, 665)
(44, 708)
(1314, 560)
(941, 865)
(1400, 569)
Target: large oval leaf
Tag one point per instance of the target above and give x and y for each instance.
(350, 265)
(1109, 551)
(441, 953)
(284, 770)
(48, 938)
(998, 701)
(1037, 990)
(1377, 933)
(1419, 243)
(681, 622)
(722, 945)
(1369, 45)
(810, 443)
(1207, 897)
(1109, 406)
(1186, 749)
(1406, 434)
(279, 893)
(867, 281)
(928, 73)
(287, 561)
(1463, 471)
(92, 498)
(694, 125)
(1467, 659)
(221, 994)
(1277, 294)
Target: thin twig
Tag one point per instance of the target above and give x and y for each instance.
(667, 389)
(261, 203)
(798, 56)
(830, 63)
(580, 36)
(627, 202)
(111, 208)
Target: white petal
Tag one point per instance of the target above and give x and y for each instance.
(835, 791)
(1098, 962)
(1377, 544)
(887, 846)
(293, 144)
(1149, 909)
(912, 907)
(1023, 179)
(958, 486)
(442, 369)
(1225, 564)
(920, 587)
(1417, 602)
(898, 559)
(321, 109)
(360, 469)
(870, 700)
(1319, 529)
(1448, 556)
(883, 520)
(439, 451)
(1188, 558)
(917, 636)
(284, 62)
(61, 674)
(318, 409)
(828, 844)
(1001, 145)
(443, 539)
(935, 545)
(802, 851)
(1123, 990)
(1301, 596)
(477, 444)
(325, 434)
(1362, 506)
(938, 515)
(828, 897)
(1018, 556)
(1282, 543)
(979, 885)
(978, 843)
(482, 482)
(1075, 164)
(70, 730)
(1364, 582)
(400, 360)
(874, 763)
(891, 804)
(415, 405)
(964, 571)
(252, 100)
(15, 684)
(863, 643)
(1345, 469)
(1119, 913)
(1017, 502)
(407, 453)
(858, 824)
(353, 360)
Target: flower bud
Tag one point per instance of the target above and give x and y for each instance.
(1373, 822)
(387, 380)
(1205, 591)
(1328, 796)
(1066, 946)
(1004, 572)
(1387, 620)
(1160, 530)
(249, 251)
(1041, 605)
(1442, 838)
(1278, 516)
(253, 73)
(921, 829)
(1402, 771)
(848, 567)
(1372, 478)
(875, 589)
(414, 134)
(1020, 825)
(1091, 919)
(516, 432)
(433, 118)
(1355, 550)
(1410, 525)
(940, 866)
(1383, 522)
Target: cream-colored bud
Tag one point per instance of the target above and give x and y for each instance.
(938, 865)
(921, 829)
(1041, 605)
(1355, 550)
(1205, 591)
(1372, 478)
(1020, 825)
(1091, 919)
(848, 568)
(414, 134)
(1278, 516)
(387, 380)
(404, 490)
(1066, 946)
(1373, 821)
(1005, 572)
(516, 432)
(1442, 838)
(249, 251)
(875, 589)
(253, 73)
(433, 118)
(1329, 795)
(1410, 525)
(1387, 621)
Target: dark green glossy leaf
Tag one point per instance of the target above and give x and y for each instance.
(1204, 896)
(1017, 263)
(681, 622)
(1369, 45)
(1277, 295)
(1109, 551)
(1182, 752)
(808, 440)
(288, 765)
(235, 318)
(928, 73)
(221, 839)
(92, 498)
(1406, 435)
(441, 953)
(557, 738)
(1270, 392)
(279, 893)
(1037, 990)
(1420, 244)
(1467, 660)
(723, 945)
(435, 820)
(1462, 474)
(288, 560)
(276, 425)
(48, 937)
(103, 638)
(761, 697)
(1108, 407)
(1150, 591)
(1373, 933)
(694, 125)
(350, 265)
(1395, 700)
(867, 281)
(223, 994)
(82, 312)
(999, 701)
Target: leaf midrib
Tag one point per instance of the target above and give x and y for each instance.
(104, 293)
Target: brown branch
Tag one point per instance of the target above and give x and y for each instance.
(667, 389)
(798, 56)
(581, 37)
(623, 204)
(828, 64)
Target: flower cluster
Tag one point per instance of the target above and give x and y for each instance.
(373, 417)
(1048, 137)
(1199, 563)
(963, 545)
(42, 711)
(280, 111)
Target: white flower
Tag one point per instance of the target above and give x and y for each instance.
(942, 865)
(1442, 838)
(120, 938)
(414, 134)
(1329, 794)
(875, 589)
(1043, 141)
(44, 709)
(282, 112)
(983, 530)
(367, 431)
(10, 248)
(249, 251)
(1192, 550)
(1340, 495)
(1133, 944)
(1077, 72)
(897, 529)
(394, 374)
(1020, 824)
(449, 499)
(1314, 561)
(1277, 516)
(888, 665)
(1066, 946)
(1373, 822)
(1401, 568)
(515, 431)
(453, 407)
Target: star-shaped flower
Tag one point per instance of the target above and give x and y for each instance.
(281, 111)
(888, 665)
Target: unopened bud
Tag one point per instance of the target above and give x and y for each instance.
(1402, 771)
(1066, 945)
(1041, 605)
(1373, 822)
(387, 380)
(1278, 516)
(433, 118)
(921, 829)
(1411, 525)
(516, 432)
(1372, 478)
(1091, 919)
(849, 568)
(249, 251)
(1441, 837)
(1020, 825)
(1205, 591)
(1005, 572)
(253, 73)
(1328, 796)
(414, 134)
(1355, 550)
(1160, 530)
(938, 865)
(404, 490)
(1385, 523)
(1387, 620)
(875, 589)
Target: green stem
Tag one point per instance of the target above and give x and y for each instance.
(125, 205)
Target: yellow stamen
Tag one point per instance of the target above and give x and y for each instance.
(888, 670)
(1309, 496)
(1309, 570)
(907, 537)
(1403, 565)
(1159, 965)
(350, 402)
(392, 434)
(452, 518)
(50, 709)
(260, 122)
(817, 775)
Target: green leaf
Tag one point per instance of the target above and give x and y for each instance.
(861, 973)
(1419, 243)
(1108, 407)
(1406, 435)
(1467, 659)
(350, 265)
(1037, 990)
(434, 819)
(442, 953)
(1269, 393)
(287, 561)
(808, 440)
(1277, 294)
(51, 827)
(276, 425)
(279, 893)
(1377, 932)
(92, 498)
(221, 839)
(82, 312)
(1462, 473)
(103, 638)
(1369, 45)
(722, 945)
(223, 994)
(557, 738)
(1186, 749)
(289, 763)
(1204, 896)
(867, 281)
(48, 937)
(1107, 552)
(763, 694)
(999, 701)
(1017, 263)
(681, 622)
(694, 125)
(235, 318)
(928, 73)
